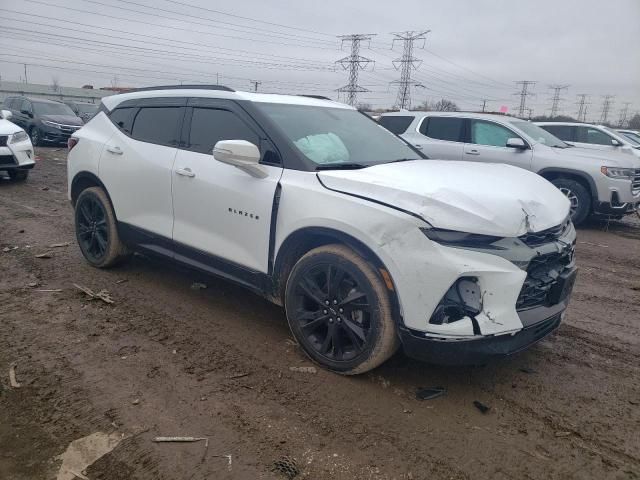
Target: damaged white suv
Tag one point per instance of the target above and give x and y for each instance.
(320, 209)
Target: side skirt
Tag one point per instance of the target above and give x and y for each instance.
(160, 246)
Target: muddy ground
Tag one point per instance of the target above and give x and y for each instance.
(166, 359)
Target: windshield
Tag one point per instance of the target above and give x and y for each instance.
(335, 137)
(41, 108)
(634, 137)
(539, 134)
(86, 108)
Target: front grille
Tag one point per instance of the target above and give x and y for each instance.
(68, 130)
(542, 274)
(7, 160)
(635, 182)
(3, 140)
(535, 239)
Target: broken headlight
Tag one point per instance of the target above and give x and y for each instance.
(460, 239)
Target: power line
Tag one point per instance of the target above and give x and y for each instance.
(555, 100)
(524, 93)
(354, 63)
(582, 107)
(405, 64)
(607, 102)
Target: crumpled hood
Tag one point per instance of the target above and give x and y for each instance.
(602, 157)
(483, 198)
(63, 119)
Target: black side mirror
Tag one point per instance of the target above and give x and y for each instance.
(27, 112)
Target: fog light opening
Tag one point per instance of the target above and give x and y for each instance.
(462, 300)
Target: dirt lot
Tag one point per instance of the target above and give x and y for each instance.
(162, 360)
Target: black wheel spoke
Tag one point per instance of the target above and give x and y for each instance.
(352, 297)
(101, 242)
(355, 340)
(315, 323)
(84, 210)
(326, 344)
(338, 343)
(336, 281)
(350, 325)
(311, 289)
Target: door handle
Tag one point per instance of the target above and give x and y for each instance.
(185, 172)
(419, 147)
(116, 150)
(472, 152)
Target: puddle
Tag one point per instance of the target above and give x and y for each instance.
(83, 452)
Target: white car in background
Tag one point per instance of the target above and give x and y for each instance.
(318, 208)
(632, 135)
(594, 181)
(16, 151)
(595, 137)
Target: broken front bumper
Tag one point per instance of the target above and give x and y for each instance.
(539, 322)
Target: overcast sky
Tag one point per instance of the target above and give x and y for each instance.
(476, 49)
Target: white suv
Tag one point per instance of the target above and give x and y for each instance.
(16, 151)
(596, 182)
(318, 208)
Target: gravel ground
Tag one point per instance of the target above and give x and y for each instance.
(165, 359)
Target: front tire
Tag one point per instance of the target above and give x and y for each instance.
(97, 229)
(339, 310)
(579, 197)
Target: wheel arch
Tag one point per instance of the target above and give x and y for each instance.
(584, 179)
(83, 180)
(301, 241)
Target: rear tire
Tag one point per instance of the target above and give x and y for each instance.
(18, 175)
(579, 197)
(97, 229)
(339, 310)
(35, 136)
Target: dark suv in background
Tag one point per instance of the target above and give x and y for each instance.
(45, 121)
(84, 110)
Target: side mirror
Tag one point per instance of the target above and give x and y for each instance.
(616, 143)
(241, 154)
(516, 143)
(26, 112)
(6, 114)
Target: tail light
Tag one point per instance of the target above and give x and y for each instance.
(72, 142)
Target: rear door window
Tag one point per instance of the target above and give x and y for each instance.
(396, 123)
(593, 136)
(158, 125)
(443, 128)
(563, 132)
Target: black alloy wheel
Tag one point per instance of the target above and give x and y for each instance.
(333, 312)
(92, 229)
(36, 137)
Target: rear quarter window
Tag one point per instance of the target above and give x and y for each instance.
(396, 124)
(123, 118)
(563, 132)
(443, 128)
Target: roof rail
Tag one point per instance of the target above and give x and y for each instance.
(319, 97)
(184, 87)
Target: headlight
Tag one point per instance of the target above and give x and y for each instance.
(19, 137)
(51, 124)
(617, 172)
(460, 239)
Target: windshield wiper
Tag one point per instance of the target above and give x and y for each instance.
(403, 160)
(342, 166)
